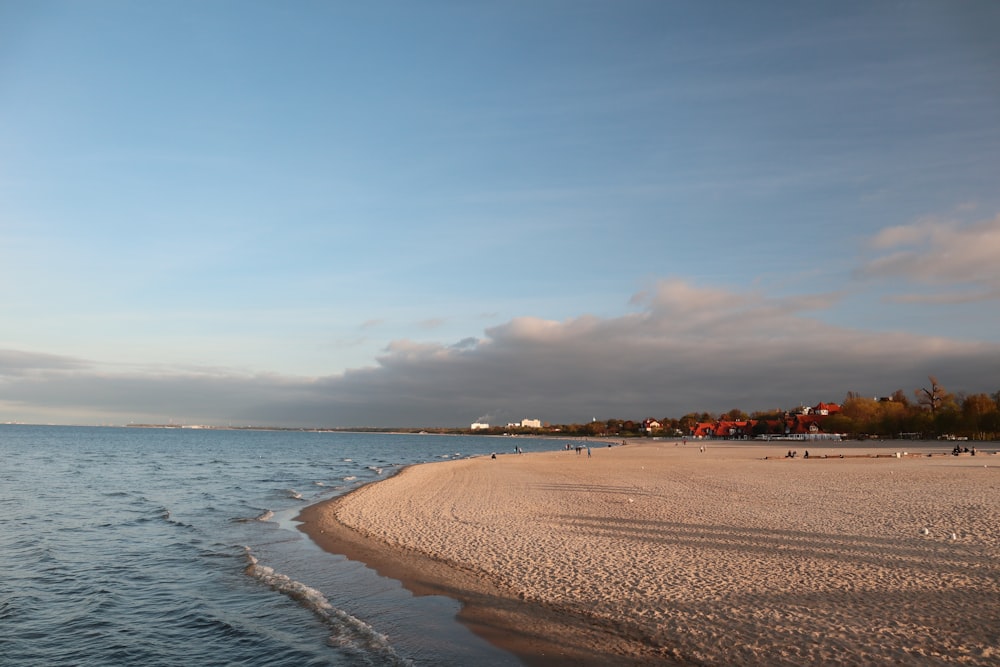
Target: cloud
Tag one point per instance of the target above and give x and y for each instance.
(19, 362)
(961, 258)
(688, 348)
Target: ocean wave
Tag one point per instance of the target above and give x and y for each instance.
(347, 632)
(264, 516)
(168, 517)
(158, 514)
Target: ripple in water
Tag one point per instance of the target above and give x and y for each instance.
(178, 547)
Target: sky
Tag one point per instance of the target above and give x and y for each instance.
(434, 213)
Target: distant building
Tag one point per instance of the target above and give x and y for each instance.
(804, 422)
(479, 425)
(531, 423)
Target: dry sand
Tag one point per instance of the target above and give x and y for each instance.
(656, 554)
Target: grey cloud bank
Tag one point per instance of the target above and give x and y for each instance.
(687, 349)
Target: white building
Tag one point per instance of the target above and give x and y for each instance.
(479, 425)
(531, 423)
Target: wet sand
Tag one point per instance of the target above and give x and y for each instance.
(655, 553)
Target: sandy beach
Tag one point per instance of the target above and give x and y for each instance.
(657, 553)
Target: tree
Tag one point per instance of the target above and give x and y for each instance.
(761, 427)
(840, 423)
(689, 421)
(975, 405)
(863, 412)
(932, 398)
(596, 428)
(891, 417)
(899, 396)
(979, 412)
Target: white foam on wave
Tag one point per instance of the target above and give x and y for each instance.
(350, 478)
(166, 516)
(292, 493)
(264, 516)
(348, 632)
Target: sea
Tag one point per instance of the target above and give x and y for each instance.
(180, 546)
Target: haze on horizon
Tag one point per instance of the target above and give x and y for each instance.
(399, 214)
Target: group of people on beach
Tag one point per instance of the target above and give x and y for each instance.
(792, 454)
(579, 447)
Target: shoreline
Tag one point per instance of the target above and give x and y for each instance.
(538, 636)
(654, 552)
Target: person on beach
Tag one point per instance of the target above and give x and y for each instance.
(588, 451)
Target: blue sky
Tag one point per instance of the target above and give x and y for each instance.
(394, 213)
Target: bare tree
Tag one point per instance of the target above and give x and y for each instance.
(931, 398)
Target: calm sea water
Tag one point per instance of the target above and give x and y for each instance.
(179, 547)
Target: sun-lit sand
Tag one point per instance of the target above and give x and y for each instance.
(655, 553)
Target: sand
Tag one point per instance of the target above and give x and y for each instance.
(655, 553)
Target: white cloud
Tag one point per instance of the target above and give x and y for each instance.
(940, 254)
(688, 349)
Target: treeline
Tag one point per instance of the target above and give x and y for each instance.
(933, 412)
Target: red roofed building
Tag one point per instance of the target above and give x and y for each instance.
(723, 429)
(805, 421)
(806, 424)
